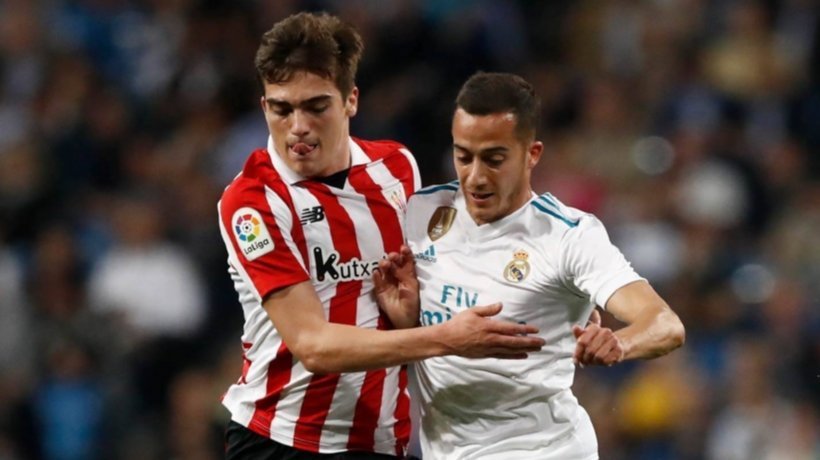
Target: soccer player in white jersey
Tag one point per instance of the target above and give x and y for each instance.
(490, 238)
(305, 223)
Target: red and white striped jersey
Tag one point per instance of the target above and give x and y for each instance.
(281, 229)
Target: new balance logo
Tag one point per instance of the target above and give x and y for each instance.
(429, 254)
(312, 215)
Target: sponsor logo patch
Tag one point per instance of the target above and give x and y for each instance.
(251, 233)
(429, 254)
(312, 215)
(328, 265)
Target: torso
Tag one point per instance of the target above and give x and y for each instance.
(490, 406)
(332, 237)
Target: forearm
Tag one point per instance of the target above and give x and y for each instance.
(652, 335)
(326, 347)
(341, 348)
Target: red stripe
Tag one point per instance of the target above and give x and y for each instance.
(296, 231)
(246, 363)
(342, 309)
(401, 168)
(278, 376)
(368, 408)
(402, 415)
(315, 408)
(382, 211)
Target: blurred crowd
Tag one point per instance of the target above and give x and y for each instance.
(691, 127)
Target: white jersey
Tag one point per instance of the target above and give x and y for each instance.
(549, 265)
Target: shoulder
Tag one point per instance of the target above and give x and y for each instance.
(381, 149)
(575, 229)
(563, 218)
(249, 187)
(440, 195)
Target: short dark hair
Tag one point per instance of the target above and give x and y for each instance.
(317, 43)
(487, 93)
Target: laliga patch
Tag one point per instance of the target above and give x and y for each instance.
(251, 233)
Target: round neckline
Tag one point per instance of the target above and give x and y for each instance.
(489, 230)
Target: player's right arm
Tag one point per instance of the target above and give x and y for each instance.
(325, 347)
(260, 231)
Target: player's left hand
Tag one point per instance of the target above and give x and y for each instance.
(595, 344)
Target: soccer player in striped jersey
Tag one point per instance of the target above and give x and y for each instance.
(305, 224)
(489, 238)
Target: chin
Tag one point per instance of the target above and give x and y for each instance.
(480, 216)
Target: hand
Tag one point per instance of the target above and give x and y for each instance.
(397, 288)
(472, 334)
(595, 344)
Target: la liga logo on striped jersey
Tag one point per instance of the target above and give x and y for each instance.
(247, 227)
(251, 233)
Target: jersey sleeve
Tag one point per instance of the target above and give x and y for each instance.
(413, 182)
(592, 264)
(257, 229)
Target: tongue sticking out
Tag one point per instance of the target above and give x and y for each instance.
(301, 148)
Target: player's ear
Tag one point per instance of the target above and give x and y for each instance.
(534, 153)
(262, 103)
(352, 102)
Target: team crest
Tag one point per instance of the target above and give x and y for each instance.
(441, 222)
(518, 268)
(396, 197)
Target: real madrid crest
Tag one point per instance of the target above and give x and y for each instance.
(518, 268)
(441, 222)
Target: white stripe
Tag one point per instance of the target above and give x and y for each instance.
(343, 407)
(385, 437)
(290, 404)
(258, 330)
(370, 247)
(317, 234)
(414, 166)
(284, 220)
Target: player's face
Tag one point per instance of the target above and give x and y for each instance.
(493, 164)
(310, 123)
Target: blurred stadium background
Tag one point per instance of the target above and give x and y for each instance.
(691, 127)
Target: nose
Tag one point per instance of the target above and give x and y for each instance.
(476, 175)
(299, 124)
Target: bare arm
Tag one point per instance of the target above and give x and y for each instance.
(652, 330)
(325, 347)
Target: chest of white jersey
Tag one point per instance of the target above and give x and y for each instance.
(548, 265)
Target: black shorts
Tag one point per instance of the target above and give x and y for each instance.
(243, 444)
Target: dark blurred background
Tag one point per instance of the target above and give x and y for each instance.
(691, 127)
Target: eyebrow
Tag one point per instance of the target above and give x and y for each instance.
(487, 151)
(310, 101)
